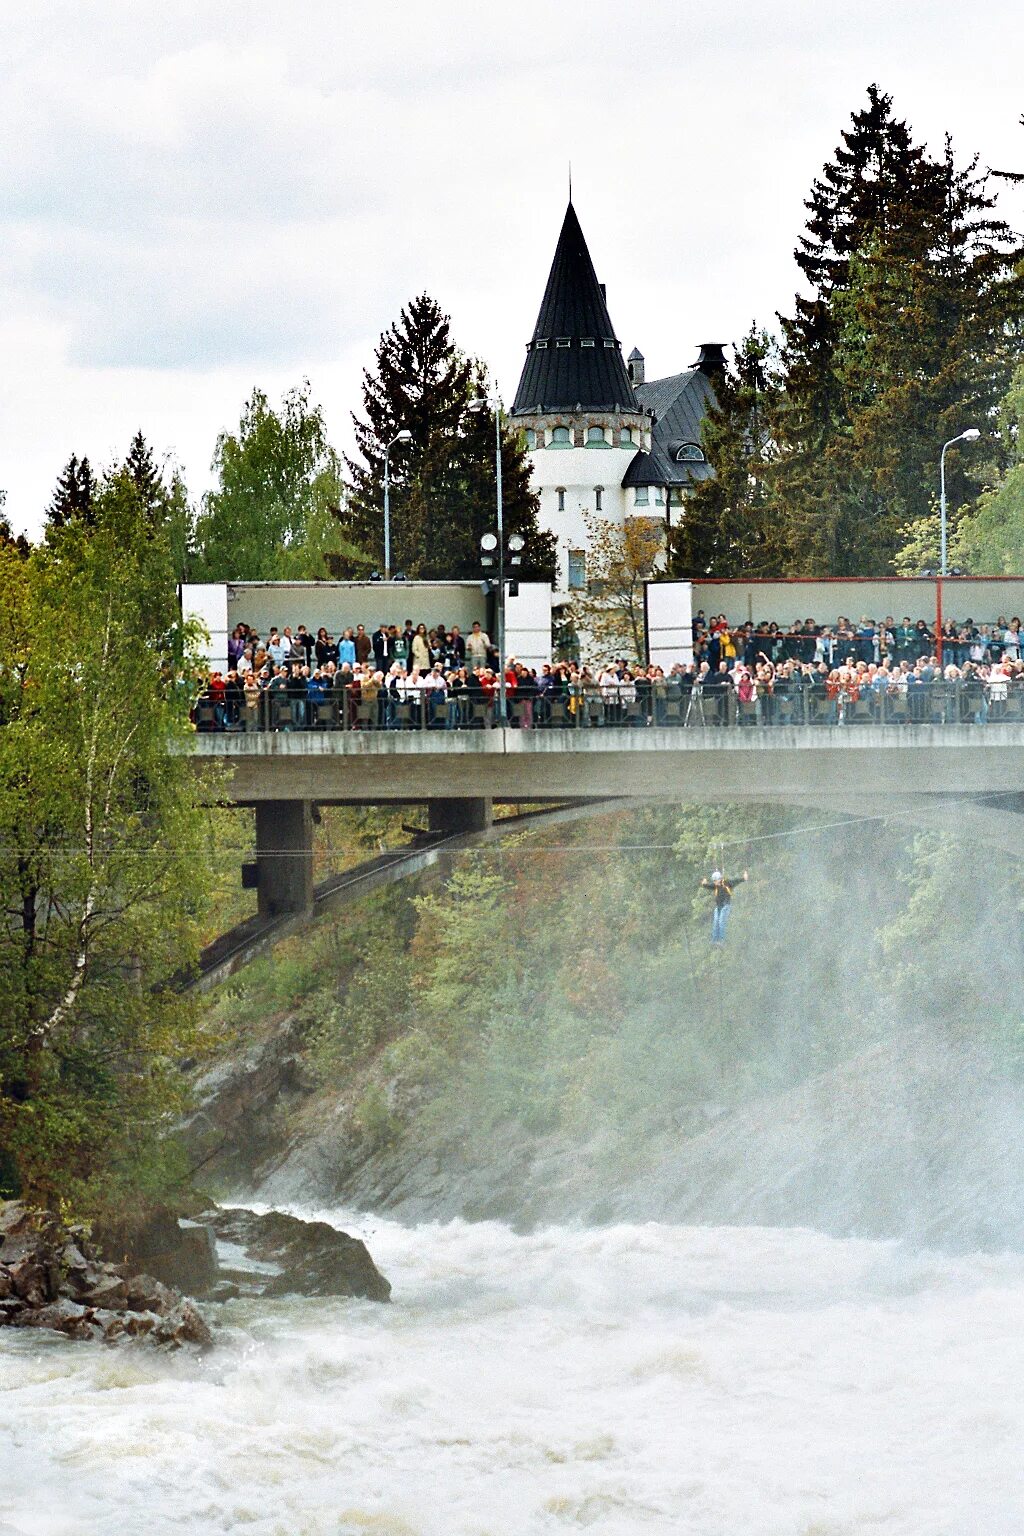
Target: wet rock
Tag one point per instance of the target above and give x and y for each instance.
(225, 1290)
(184, 1324)
(310, 1258)
(144, 1294)
(179, 1254)
(63, 1316)
(51, 1277)
(107, 1290)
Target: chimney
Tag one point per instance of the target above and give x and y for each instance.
(712, 357)
(635, 364)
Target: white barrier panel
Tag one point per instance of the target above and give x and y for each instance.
(528, 624)
(208, 602)
(668, 617)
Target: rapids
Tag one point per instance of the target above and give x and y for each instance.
(726, 1381)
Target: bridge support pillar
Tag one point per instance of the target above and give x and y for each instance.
(284, 856)
(452, 816)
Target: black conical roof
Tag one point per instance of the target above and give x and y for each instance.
(574, 377)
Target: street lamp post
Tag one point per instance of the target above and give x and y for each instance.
(495, 406)
(405, 436)
(969, 435)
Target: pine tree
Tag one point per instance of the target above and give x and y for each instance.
(73, 496)
(443, 490)
(726, 528)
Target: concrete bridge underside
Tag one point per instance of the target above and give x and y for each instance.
(911, 773)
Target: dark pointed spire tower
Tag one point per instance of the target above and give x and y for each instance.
(575, 395)
(574, 361)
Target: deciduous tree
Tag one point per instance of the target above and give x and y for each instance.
(99, 879)
(273, 514)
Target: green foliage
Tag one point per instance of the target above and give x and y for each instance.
(98, 824)
(274, 514)
(728, 527)
(442, 483)
(909, 334)
(990, 539)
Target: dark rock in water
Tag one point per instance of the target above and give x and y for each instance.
(62, 1316)
(182, 1255)
(225, 1290)
(184, 1324)
(51, 1277)
(311, 1258)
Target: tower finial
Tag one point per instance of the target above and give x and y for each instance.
(570, 181)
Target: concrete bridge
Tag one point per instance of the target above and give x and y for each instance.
(909, 770)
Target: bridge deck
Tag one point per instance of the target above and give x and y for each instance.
(654, 763)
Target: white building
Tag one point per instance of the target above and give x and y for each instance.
(602, 440)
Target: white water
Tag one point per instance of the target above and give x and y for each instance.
(721, 1381)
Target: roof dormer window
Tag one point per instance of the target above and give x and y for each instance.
(609, 341)
(540, 346)
(587, 341)
(689, 453)
(563, 341)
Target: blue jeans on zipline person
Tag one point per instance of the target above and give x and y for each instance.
(719, 918)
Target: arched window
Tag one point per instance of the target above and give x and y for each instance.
(560, 493)
(598, 497)
(560, 438)
(596, 438)
(626, 438)
(689, 453)
(531, 439)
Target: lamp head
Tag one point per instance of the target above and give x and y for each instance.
(405, 436)
(489, 542)
(971, 434)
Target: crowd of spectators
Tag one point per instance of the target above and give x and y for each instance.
(764, 673)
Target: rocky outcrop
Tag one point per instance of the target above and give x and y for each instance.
(288, 1256)
(181, 1254)
(52, 1277)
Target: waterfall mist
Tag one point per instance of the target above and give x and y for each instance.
(849, 1060)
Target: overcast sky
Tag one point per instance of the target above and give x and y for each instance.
(200, 197)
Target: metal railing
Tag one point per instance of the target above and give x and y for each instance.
(636, 706)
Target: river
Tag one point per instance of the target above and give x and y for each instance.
(725, 1381)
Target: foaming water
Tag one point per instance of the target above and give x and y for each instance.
(721, 1381)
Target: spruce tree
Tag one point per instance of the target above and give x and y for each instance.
(72, 500)
(726, 529)
(141, 469)
(443, 490)
(905, 333)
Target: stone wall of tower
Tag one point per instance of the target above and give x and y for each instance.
(572, 480)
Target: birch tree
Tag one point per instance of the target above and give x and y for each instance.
(100, 883)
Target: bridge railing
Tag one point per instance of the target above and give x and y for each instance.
(630, 706)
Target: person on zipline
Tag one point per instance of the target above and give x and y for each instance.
(723, 898)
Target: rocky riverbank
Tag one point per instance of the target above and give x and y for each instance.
(56, 1276)
(51, 1276)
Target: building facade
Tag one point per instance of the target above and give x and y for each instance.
(602, 440)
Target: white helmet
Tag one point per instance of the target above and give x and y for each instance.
(716, 875)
